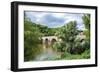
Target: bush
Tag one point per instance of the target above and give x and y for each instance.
(86, 54)
(59, 46)
(79, 46)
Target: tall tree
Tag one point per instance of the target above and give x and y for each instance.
(31, 39)
(68, 35)
(86, 22)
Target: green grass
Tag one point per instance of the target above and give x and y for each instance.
(68, 56)
(84, 55)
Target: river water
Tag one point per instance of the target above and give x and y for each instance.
(47, 53)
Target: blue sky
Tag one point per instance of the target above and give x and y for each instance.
(54, 20)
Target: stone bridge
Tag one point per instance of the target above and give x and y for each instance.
(48, 40)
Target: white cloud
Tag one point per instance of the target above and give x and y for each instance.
(53, 19)
(59, 15)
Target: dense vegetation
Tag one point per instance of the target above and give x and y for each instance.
(71, 46)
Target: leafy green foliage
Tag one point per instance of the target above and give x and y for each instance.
(31, 40)
(86, 21)
(68, 35)
(59, 46)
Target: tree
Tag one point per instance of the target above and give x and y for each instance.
(86, 22)
(31, 39)
(68, 35)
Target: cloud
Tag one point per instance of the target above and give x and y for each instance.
(53, 20)
(31, 16)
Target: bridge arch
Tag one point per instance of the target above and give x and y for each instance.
(48, 40)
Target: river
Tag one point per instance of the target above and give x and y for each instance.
(46, 53)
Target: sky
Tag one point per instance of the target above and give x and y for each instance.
(54, 20)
